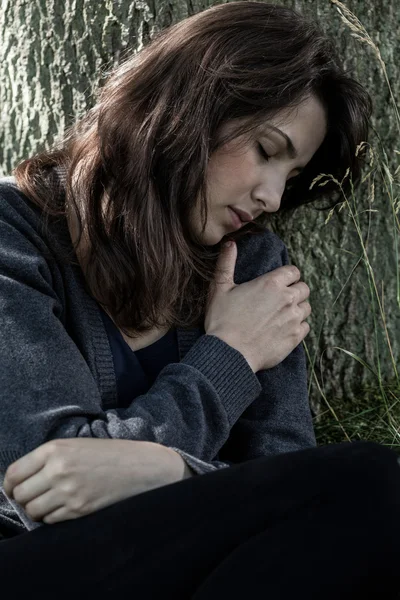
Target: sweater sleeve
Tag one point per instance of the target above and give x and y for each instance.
(49, 392)
(279, 420)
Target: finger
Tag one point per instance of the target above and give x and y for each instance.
(225, 266)
(23, 468)
(44, 505)
(62, 514)
(31, 488)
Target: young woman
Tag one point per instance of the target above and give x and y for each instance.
(156, 435)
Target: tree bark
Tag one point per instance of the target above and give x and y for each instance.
(52, 56)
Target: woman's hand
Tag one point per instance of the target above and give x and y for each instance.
(69, 478)
(264, 319)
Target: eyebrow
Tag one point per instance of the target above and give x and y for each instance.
(290, 149)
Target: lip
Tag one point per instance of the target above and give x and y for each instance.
(236, 221)
(244, 216)
(239, 217)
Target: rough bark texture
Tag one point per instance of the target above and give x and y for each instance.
(53, 55)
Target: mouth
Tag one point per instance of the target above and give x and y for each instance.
(235, 219)
(243, 216)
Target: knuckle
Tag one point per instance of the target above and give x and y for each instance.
(75, 505)
(295, 271)
(68, 488)
(32, 510)
(50, 451)
(57, 466)
(49, 519)
(11, 478)
(306, 309)
(18, 494)
(75, 501)
(78, 506)
(51, 447)
(290, 297)
(300, 314)
(271, 279)
(299, 332)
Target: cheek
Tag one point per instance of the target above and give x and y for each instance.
(233, 174)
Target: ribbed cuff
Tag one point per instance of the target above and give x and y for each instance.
(228, 371)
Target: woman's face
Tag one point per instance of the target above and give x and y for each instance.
(243, 178)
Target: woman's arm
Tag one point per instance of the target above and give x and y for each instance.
(70, 478)
(279, 420)
(48, 391)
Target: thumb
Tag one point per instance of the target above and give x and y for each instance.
(225, 266)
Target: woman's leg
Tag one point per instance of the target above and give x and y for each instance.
(342, 544)
(266, 516)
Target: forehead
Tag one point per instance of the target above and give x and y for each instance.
(310, 109)
(305, 125)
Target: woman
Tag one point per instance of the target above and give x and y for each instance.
(124, 317)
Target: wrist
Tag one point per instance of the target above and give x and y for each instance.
(188, 471)
(178, 467)
(233, 343)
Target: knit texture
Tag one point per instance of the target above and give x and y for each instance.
(57, 375)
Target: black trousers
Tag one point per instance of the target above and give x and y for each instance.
(316, 524)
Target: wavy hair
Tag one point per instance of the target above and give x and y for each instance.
(136, 162)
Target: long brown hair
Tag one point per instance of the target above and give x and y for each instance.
(147, 141)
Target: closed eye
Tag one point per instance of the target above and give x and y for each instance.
(262, 152)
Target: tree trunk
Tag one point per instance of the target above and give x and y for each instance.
(52, 54)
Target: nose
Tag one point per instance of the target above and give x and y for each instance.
(272, 204)
(269, 191)
(270, 196)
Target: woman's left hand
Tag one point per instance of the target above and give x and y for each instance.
(69, 478)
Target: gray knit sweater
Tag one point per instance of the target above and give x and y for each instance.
(57, 375)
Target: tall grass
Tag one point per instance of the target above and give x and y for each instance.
(375, 414)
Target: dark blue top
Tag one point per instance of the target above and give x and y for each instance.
(137, 371)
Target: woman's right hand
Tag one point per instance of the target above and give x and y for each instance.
(263, 318)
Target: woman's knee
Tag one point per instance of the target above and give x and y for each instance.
(369, 477)
(367, 463)
(356, 470)
(374, 460)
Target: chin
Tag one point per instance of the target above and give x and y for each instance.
(210, 238)
(213, 240)
(213, 234)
